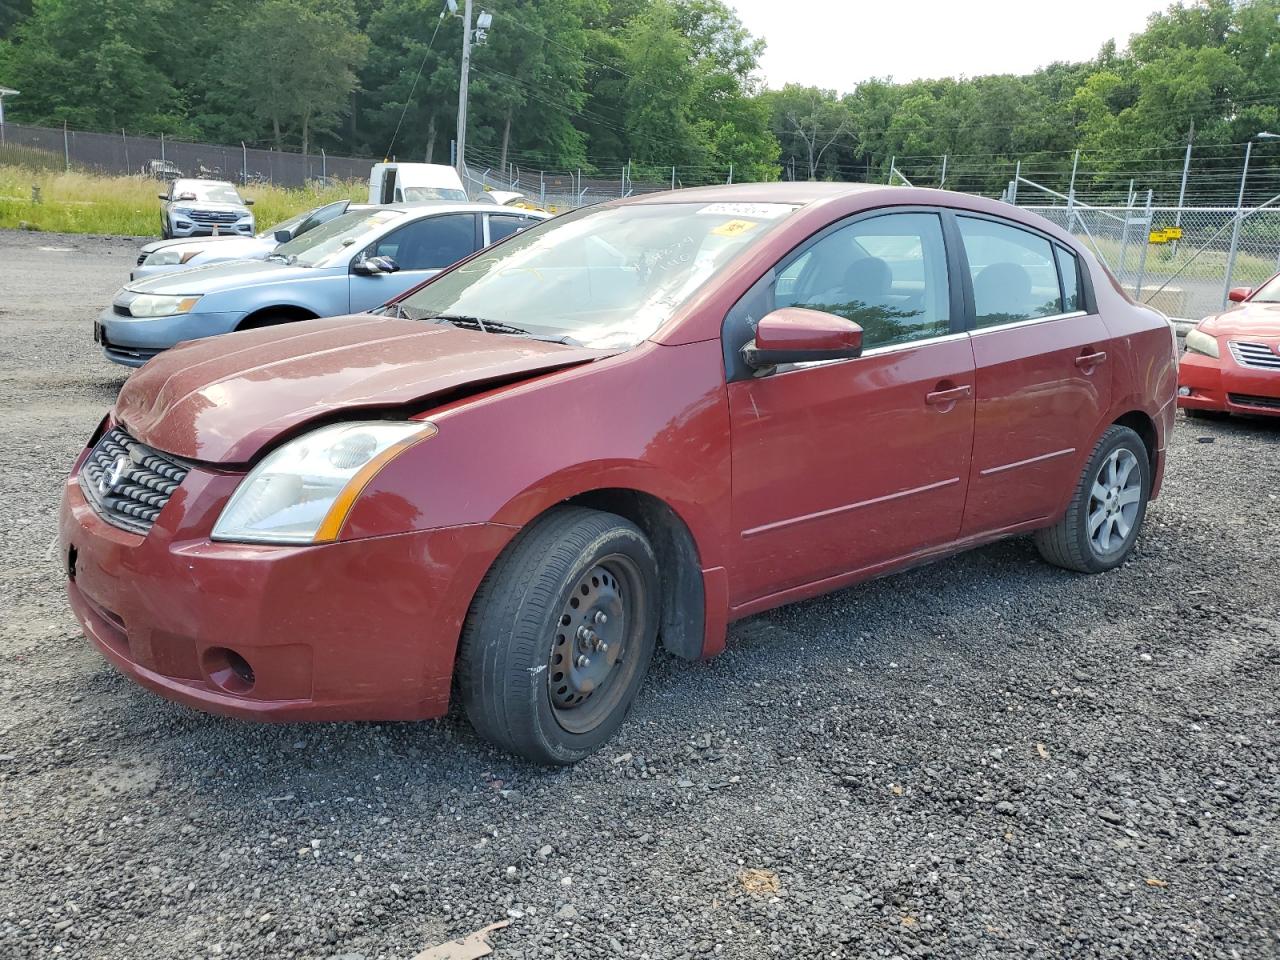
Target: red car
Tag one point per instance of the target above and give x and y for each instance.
(1232, 360)
(634, 423)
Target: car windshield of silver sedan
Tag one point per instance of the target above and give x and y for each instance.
(330, 242)
(602, 277)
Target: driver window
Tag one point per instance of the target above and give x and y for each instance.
(428, 244)
(887, 273)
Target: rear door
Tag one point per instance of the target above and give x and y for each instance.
(1043, 372)
(499, 226)
(421, 249)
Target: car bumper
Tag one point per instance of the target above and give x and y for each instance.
(187, 228)
(133, 342)
(1225, 386)
(355, 630)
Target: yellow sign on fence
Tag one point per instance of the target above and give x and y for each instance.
(1165, 235)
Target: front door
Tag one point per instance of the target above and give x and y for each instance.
(843, 465)
(421, 249)
(1043, 373)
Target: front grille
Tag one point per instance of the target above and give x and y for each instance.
(127, 482)
(1245, 400)
(213, 216)
(142, 258)
(1255, 355)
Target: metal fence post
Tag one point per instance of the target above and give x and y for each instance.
(1142, 256)
(730, 180)
(162, 148)
(66, 146)
(1235, 228)
(673, 176)
(893, 160)
(1013, 187)
(124, 137)
(1123, 259)
(324, 165)
(244, 164)
(943, 179)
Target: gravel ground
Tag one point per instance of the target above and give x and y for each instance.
(986, 757)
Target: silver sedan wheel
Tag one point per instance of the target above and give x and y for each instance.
(1114, 501)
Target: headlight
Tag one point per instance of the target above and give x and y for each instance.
(182, 211)
(152, 305)
(302, 492)
(1202, 343)
(168, 258)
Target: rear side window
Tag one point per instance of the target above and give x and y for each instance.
(888, 274)
(1013, 271)
(502, 226)
(1069, 266)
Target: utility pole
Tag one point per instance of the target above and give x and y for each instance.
(483, 23)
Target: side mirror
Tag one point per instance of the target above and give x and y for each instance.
(1239, 294)
(163, 196)
(798, 335)
(247, 202)
(372, 266)
(282, 236)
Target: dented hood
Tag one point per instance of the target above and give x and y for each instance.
(223, 399)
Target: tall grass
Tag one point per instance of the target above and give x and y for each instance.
(129, 206)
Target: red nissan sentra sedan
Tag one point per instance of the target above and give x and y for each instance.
(1232, 360)
(636, 422)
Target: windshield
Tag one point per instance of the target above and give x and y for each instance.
(209, 192)
(329, 242)
(1269, 292)
(601, 277)
(416, 194)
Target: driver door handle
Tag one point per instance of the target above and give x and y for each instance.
(1087, 361)
(939, 397)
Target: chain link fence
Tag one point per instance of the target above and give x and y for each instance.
(125, 154)
(1181, 260)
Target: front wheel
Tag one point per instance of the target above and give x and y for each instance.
(1106, 511)
(559, 636)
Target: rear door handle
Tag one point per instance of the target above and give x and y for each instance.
(1087, 360)
(940, 397)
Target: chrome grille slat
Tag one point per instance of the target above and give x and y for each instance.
(145, 483)
(1254, 355)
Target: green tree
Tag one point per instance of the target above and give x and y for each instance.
(292, 66)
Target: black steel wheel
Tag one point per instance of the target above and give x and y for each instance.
(560, 635)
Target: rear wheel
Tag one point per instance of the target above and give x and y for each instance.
(560, 635)
(1107, 509)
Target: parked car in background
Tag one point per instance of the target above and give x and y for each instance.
(161, 170)
(415, 183)
(166, 256)
(1232, 359)
(354, 262)
(636, 422)
(192, 208)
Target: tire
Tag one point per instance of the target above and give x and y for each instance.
(1203, 414)
(521, 674)
(1082, 542)
(164, 228)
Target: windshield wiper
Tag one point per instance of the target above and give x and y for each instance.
(479, 323)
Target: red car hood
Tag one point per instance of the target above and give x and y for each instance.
(222, 399)
(1246, 320)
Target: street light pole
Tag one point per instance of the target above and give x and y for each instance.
(462, 92)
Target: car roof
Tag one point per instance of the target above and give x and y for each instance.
(801, 192)
(197, 180)
(437, 207)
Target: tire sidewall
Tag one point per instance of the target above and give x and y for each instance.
(550, 737)
(1126, 439)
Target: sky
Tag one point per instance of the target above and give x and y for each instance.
(836, 44)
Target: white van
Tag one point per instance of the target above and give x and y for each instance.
(415, 182)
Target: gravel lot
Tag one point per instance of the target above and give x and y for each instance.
(987, 757)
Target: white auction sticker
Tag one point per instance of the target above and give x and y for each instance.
(758, 211)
